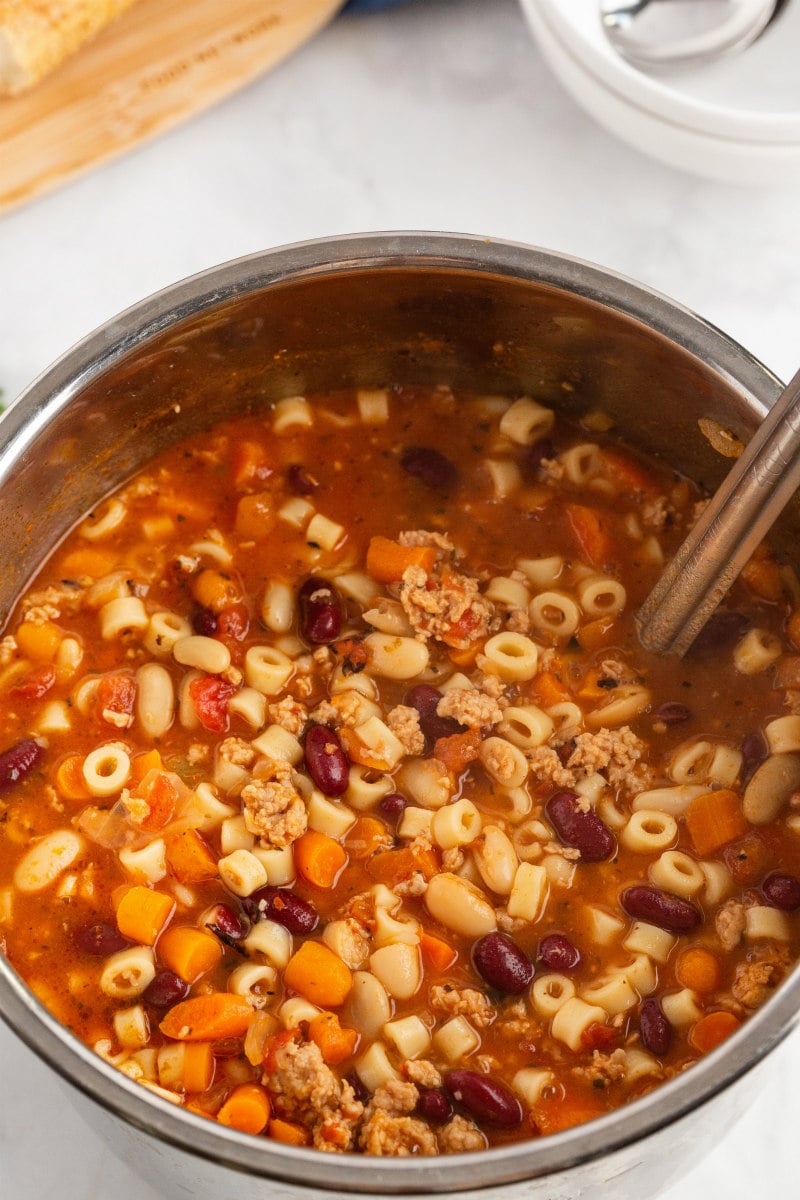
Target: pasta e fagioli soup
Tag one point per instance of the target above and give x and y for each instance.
(341, 805)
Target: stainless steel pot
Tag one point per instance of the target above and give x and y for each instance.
(366, 311)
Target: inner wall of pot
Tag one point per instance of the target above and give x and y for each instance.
(363, 328)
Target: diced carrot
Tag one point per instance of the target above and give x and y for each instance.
(141, 764)
(466, 656)
(335, 1043)
(548, 689)
(458, 750)
(595, 634)
(88, 560)
(711, 1030)
(590, 688)
(189, 858)
(288, 1132)
(387, 560)
(698, 969)
(247, 1109)
(437, 954)
(198, 1066)
(189, 952)
(367, 835)
(714, 819)
(393, 866)
(251, 465)
(631, 477)
(591, 534)
(255, 517)
(211, 1018)
(318, 858)
(763, 577)
(214, 590)
(69, 782)
(39, 640)
(143, 913)
(318, 974)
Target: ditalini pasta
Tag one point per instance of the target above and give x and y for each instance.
(340, 804)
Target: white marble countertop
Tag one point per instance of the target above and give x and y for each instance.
(438, 115)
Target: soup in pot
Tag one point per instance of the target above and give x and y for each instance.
(340, 804)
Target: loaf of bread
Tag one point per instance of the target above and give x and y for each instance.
(37, 35)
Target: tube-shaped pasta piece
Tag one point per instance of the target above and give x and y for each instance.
(366, 788)
(250, 705)
(757, 650)
(295, 1010)
(649, 939)
(148, 864)
(459, 905)
(614, 994)
(530, 1082)
(678, 873)
(581, 463)
(267, 669)
(674, 800)
(554, 614)
(456, 824)
(131, 1027)
(106, 770)
(542, 572)
(573, 1019)
(396, 657)
(128, 973)
(426, 781)
(373, 405)
(762, 921)
(254, 980)
(278, 862)
(100, 524)
(526, 421)
(604, 928)
(529, 892)
(551, 992)
(374, 1069)
(242, 872)
(681, 1008)
(506, 593)
(526, 726)
(155, 699)
(164, 629)
(456, 1039)
(325, 816)
(409, 1036)
(293, 412)
(124, 615)
(277, 744)
(648, 831)
(600, 596)
(783, 734)
(629, 701)
(511, 656)
(272, 940)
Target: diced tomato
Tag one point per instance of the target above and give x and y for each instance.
(598, 1037)
(116, 693)
(590, 530)
(251, 466)
(162, 796)
(35, 684)
(232, 624)
(462, 631)
(210, 696)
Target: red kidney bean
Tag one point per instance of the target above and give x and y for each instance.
(429, 467)
(659, 908)
(300, 481)
(720, 631)
(229, 923)
(165, 989)
(100, 939)
(18, 761)
(502, 963)
(204, 622)
(484, 1098)
(673, 713)
(425, 700)
(584, 831)
(755, 750)
(393, 806)
(326, 761)
(282, 905)
(782, 891)
(359, 1090)
(558, 953)
(320, 612)
(434, 1106)
(654, 1028)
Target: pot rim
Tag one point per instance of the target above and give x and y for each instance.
(133, 328)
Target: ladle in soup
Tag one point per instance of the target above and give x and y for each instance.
(736, 519)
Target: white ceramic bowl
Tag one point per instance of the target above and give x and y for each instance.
(737, 120)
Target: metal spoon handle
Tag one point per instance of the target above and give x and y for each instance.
(738, 516)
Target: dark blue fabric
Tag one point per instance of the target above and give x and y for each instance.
(370, 5)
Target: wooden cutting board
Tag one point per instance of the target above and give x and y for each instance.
(156, 65)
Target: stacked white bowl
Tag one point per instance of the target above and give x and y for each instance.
(736, 119)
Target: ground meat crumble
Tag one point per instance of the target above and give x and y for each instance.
(272, 807)
(446, 606)
(470, 707)
(404, 724)
(466, 1002)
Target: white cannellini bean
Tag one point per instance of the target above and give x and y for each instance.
(46, 859)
